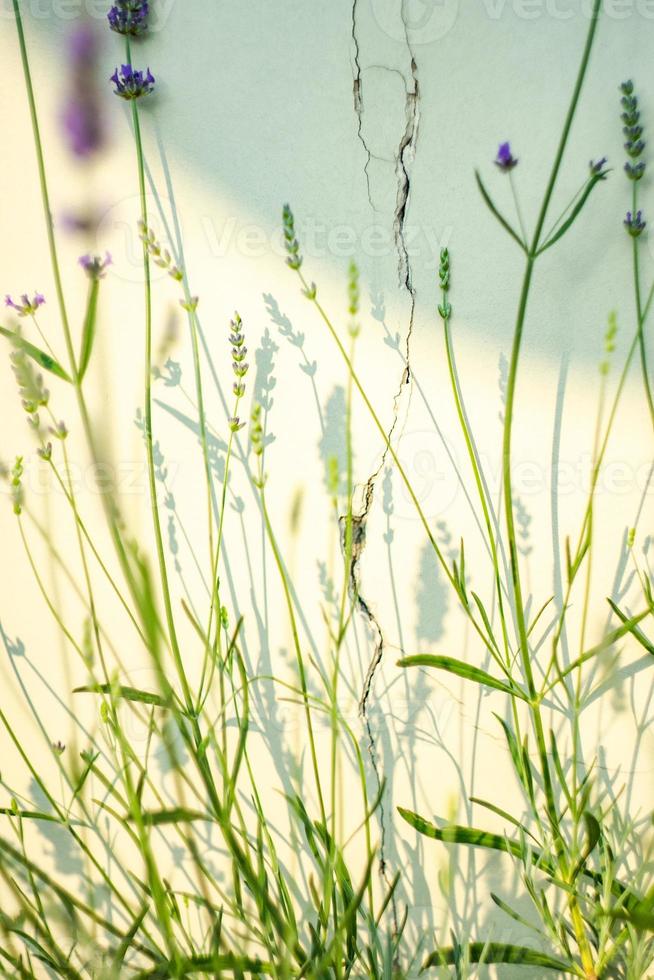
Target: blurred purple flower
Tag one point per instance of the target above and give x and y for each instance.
(131, 83)
(95, 266)
(129, 17)
(82, 116)
(26, 306)
(83, 46)
(505, 159)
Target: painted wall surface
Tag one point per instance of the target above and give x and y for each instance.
(370, 119)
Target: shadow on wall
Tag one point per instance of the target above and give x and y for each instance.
(349, 114)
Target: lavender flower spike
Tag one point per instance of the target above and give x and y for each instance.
(82, 120)
(129, 17)
(132, 84)
(634, 223)
(95, 266)
(505, 159)
(597, 166)
(26, 306)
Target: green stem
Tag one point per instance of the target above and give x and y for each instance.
(488, 642)
(149, 443)
(640, 311)
(537, 722)
(296, 643)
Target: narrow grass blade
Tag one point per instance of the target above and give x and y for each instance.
(455, 834)
(502, 953)
(567, 224)
(176, 815)
(461, 669)
(88, 333)
(127, 693)
(44, 360)
(502, 220)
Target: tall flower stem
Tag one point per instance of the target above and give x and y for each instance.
(641, 311)
(61, 301)
(149, 443)
(525, 653)
(487, 640)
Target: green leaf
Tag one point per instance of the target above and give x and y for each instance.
(502, 813)
(225, 964)
(461, 669)
(501, 953)
(514, 748)
(88, 333)
(121, 952)
(455, 834)
(593, 834)
(515, 915)
(595, 179)
(127, 693)
(177, 814)
(630, 626)
(44, 360)
(641, 915)
(502, 220)
(7, 811)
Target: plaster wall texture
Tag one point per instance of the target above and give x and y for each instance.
(371, 125)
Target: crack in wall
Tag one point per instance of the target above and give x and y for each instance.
(359, 522)
(358, 100)
(403, 159)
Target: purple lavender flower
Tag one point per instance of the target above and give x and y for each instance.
(634, 223)
(505, 159)
(82, 115)
(129, 17)
(633, 131)
(596, 167)
(131, 83)
(26, 306)
(634, 171)
(95, 266)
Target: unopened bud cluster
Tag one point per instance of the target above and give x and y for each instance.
(354, 297)
(444, 308)
(239, 365)
(633, 131)
(16, 485)
(33, 393)
(256, 430)
(294, 260)
(609, 343)
(159, 255)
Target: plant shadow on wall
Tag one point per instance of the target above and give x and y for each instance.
(233, 805)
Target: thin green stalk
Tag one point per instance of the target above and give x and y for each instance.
(640, 313)
(474, 462)
(296, 643)
(518, 208)
(488, 642)
(580, 931)
(593, 486)
(347, 585)
(149, 443)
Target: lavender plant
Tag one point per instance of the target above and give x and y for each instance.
(257, 898)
